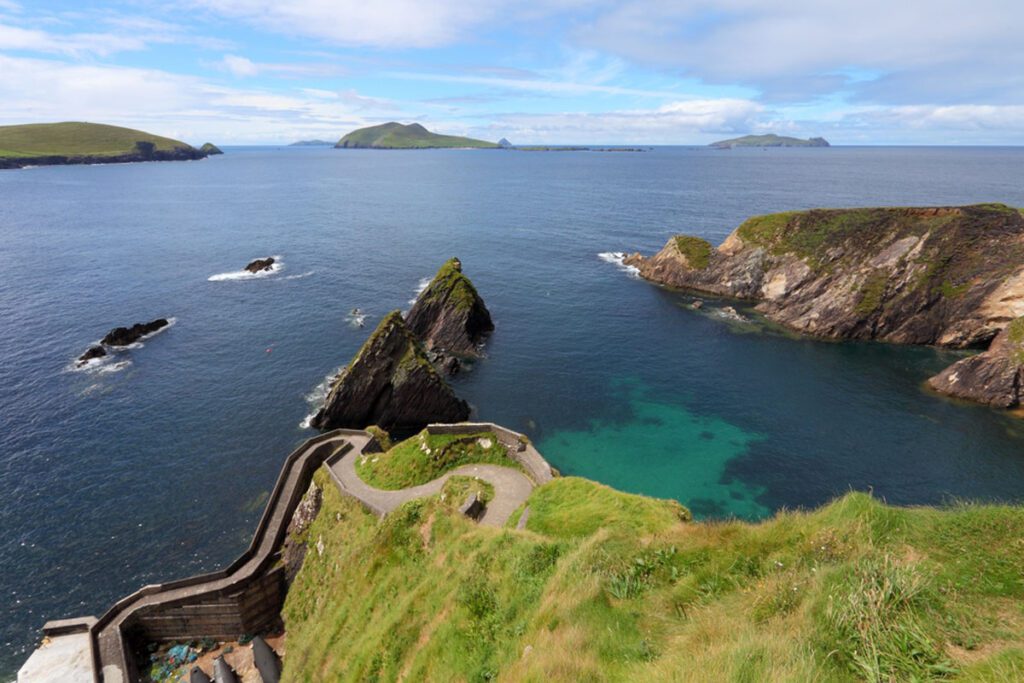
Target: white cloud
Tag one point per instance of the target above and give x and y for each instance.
(240, 66)
(681, 122)
(392, 23)
(184, 107)
(801, 48)
(76, 44)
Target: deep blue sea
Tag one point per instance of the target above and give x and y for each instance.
(156, 464)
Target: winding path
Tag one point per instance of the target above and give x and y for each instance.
(511, 488)
(106, 645)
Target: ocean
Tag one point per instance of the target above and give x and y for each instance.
(155, 464)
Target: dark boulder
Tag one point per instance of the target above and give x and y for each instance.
(390, 383)
(450, 317)
(92, 353)
(260, 264)
(124, 336)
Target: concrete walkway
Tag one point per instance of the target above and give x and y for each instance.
(511, 488)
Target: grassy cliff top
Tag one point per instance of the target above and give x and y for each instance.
(413, 136)
(607, 586)
(770, 140)
(451, 284)
(813, 234)
(76, 139)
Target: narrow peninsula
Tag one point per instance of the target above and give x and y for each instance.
(769, 140)
(50, 144)
(945, 276)
(413, 136)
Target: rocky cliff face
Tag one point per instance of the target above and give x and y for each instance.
(390, 383)
(993, 377)
(950, 276)
(450, 317)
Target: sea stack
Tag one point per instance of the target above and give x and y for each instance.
(390, 383)
(450, 317)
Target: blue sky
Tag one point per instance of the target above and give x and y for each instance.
(550, 71)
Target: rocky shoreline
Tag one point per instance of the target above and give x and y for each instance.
(177, 154)
(943, 276)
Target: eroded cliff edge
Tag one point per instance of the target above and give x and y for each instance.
(949, 276)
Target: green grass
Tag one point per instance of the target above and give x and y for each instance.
(571, 506)
(872, 292)
(426, 456)
(76, 139)
(451, 284)
(606, 586)
(413, 136)
(696, 250)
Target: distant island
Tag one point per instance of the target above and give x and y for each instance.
(414, 136)
(48, 144)
(312, 143)
(770, 140)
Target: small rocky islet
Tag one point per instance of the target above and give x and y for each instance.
(946, 276)
(260, 265)
(396, 380)
(121, 337)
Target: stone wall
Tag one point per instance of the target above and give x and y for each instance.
(519, 447)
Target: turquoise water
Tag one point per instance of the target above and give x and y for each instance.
(663, 450)
(156, 466)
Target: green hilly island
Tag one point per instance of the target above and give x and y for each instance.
(769, 140)
(413, 136)
(78, 143)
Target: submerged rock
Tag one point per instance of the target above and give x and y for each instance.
(124, 336)
(450, 317)
(992, 377)
(261, 264)
(390, 383)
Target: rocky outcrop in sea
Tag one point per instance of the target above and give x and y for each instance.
(450, 318)
(390, 383)
(125, 336)
(993, 377)
(948, 276)
(260, 264)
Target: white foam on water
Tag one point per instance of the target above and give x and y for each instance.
(275, 268)
(297, 276)
(318, 396)
(357, 320)
(423, 284)
(616, 258)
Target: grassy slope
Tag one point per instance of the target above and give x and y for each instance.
(852, 591)
(413, 136)
(75, 139)
(409, 464)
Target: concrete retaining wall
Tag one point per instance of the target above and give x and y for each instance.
(244, 597)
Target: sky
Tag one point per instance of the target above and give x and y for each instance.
(944, 72)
